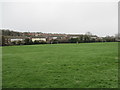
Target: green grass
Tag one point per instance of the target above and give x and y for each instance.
(85, 65)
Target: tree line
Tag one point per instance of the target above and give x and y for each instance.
(86, 38)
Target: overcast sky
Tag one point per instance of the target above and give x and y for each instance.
(100, 18)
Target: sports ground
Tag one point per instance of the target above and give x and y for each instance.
(83, 65)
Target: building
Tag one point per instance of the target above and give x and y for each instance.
(8, 40)
(39, 39)
(73, 36)
(19, 39)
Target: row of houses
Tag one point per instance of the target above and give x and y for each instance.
(43, 37)
(37, 37)
(9, 39)
(12, 36)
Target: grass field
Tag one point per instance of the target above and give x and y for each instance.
(85, 65)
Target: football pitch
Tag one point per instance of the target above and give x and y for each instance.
(83, 65)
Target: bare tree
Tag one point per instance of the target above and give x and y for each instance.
(88, 33)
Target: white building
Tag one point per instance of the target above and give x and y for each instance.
(39, 39)
(74, 37)
(54, 37)
(12, 40)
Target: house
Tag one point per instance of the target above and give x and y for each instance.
(38, 39)
(73, 36)
(54, 37)
(19, 39)
(8, 40)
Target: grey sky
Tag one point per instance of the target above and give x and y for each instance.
(100, 18)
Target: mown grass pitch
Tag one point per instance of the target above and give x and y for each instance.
(84, 65)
